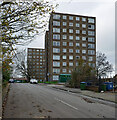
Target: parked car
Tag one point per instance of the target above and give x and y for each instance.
(33, 81)
(18, 81)
(11, 81)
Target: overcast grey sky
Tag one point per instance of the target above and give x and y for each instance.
(103, 10)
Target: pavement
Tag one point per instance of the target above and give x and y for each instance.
(107, 96)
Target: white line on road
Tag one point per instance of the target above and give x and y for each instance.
(66, 104)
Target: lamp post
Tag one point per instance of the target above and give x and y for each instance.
(99, 83)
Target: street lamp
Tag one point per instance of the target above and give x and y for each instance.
(99, 83)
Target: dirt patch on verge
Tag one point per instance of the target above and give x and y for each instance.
(87, 100)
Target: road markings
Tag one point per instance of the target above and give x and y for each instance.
(66, 104)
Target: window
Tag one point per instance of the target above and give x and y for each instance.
(71, 50)
(84, 38)
(91, 20)
(64, 37)
(71, 37)
(64, 17)
(56, 30)
(83, 45)
(56, 57)
(70, 24)
(77, 44)
(64, 23)
(77, 25)
(56, 50)
(70, 63)
(70, 57)
(91, 33)
(77, 18)
(77, 38)
(29, 56)
(76, 64)
(70, 43)
(83, 25)
(78, 31)
(64, 30)
(70, 30)
(64, 64)
(56, 23)
(83, 19)
(77, 51)
(64, 43)
(29, 49)
(91, 27)
(55, 36)
(70, 17)
(91, 52)
(77, 57)
(84, 57)
(83, 51)
(30, 53)
(91, 39)
(91, 46)
(55, 77)
(69, 71)
(91, 64)
(56, 70)
(56, 16)
(64, 50)
(64, 57)
(56, 43)
(64, 70)
(90, 58)
(83, 32)
(56, 64)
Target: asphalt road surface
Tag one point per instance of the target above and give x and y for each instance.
(41, 101)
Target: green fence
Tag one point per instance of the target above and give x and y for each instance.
(64, 77)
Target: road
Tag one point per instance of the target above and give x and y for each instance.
(42, 101)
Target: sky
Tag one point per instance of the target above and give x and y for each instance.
(103, 10)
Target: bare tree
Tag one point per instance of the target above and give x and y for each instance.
(20, 22)
(21, 64)
(102, 64)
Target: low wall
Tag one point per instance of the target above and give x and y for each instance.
(92, 88)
